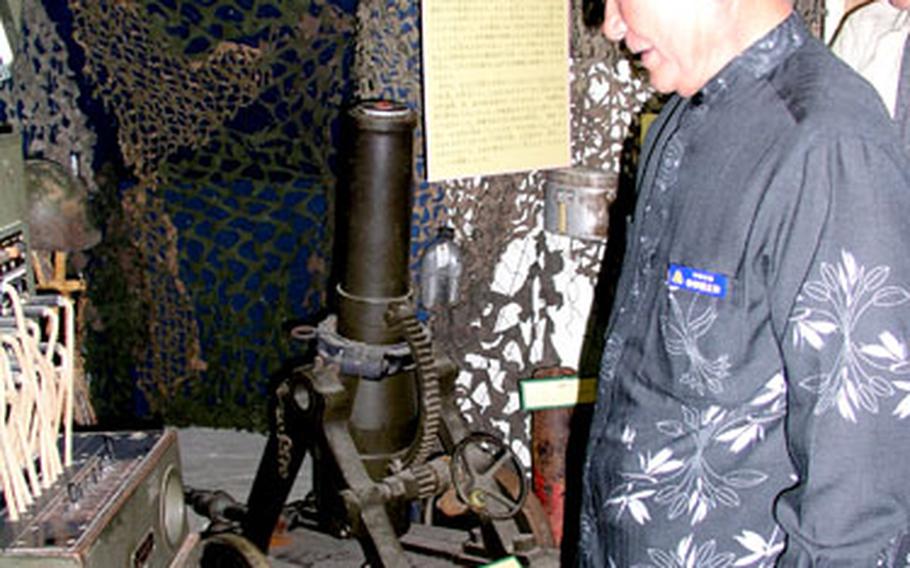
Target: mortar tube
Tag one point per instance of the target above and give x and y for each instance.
(375, 220)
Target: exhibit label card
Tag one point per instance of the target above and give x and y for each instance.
(557, 392)
(496, 86)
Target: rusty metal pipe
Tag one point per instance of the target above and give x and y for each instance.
(550, 430)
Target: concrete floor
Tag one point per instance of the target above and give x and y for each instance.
(227, 460)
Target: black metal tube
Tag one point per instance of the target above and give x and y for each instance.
(375, 220)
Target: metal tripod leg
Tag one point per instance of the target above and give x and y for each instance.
(363, 500)
(278, 469)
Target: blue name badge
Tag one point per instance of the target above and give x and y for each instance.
(698, 281)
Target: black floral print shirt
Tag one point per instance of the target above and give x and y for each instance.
(754, 393)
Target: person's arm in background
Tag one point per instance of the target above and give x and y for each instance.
(836, 12)
(846, 43)
(839, 275)
(872, 41)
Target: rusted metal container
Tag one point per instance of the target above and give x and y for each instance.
(577, 201)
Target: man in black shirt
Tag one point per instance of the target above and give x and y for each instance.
(754, 394)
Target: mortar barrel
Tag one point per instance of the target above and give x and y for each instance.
(374, 220)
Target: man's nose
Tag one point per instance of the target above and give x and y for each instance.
(614, 27)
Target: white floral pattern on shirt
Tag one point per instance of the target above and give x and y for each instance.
(763, 552)
(683, 330)
(690, 484)
(828, 315)
(687, 555)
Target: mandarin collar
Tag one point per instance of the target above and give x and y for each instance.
(757, 60)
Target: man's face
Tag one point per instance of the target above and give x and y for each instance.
(672, 37)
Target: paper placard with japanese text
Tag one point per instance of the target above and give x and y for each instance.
(496, 86)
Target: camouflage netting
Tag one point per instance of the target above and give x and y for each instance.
(42, 97)
(224, 112)
(501, 332)
(162, 101)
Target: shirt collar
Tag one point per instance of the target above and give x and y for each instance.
(757, 60)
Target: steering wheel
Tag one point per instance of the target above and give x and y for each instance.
(488, 477)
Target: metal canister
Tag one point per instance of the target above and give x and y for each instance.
(577, 202)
